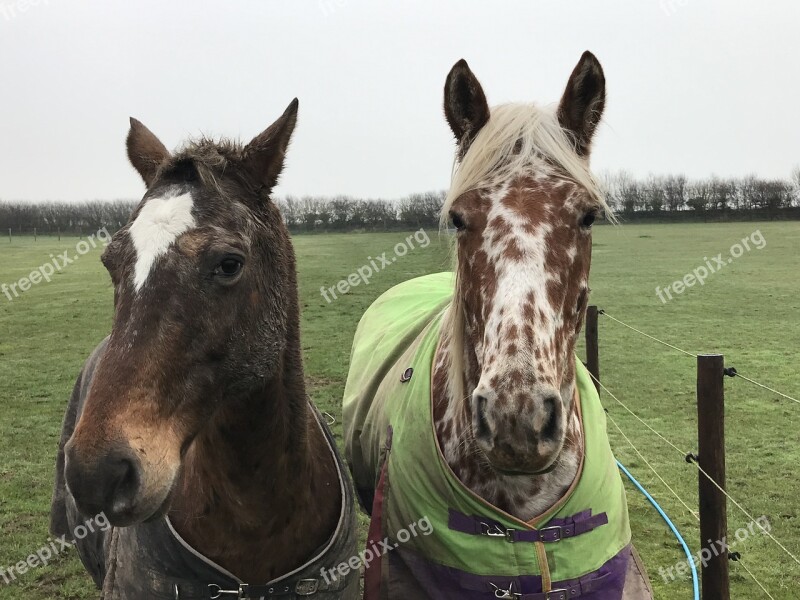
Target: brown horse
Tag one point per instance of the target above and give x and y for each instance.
(189, 428)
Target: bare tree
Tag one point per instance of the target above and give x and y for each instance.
(654, 196)
(675, 192)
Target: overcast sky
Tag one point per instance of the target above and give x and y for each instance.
(695, 86)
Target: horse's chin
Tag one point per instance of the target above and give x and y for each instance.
(517, 465)
(516, 471)
(508, 466)
(161, 512)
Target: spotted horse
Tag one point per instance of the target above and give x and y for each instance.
(465, 405)
(189, 427)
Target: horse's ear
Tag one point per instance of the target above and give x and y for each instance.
(145, 151)
(465, 104)
(264, 156)
(581, 107)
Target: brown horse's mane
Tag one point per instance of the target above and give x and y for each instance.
(213, 163)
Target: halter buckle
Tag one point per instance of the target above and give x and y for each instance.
(306, 587)
(215, 592)
(562, 594)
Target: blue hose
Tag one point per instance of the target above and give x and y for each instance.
(667, 520)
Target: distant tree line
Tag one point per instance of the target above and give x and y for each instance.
(50, 218)
(668, 197)
(344, 213)
(679, 197)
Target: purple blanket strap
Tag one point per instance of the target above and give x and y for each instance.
(555, 531)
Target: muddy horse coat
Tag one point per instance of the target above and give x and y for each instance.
(578, 549)
(151, 560)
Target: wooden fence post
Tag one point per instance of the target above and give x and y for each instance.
(593, 345)
(711, 458)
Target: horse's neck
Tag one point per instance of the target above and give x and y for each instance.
(524, 497)
(260, 490)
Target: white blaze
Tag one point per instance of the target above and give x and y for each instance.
(157, 226)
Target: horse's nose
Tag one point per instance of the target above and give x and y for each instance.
(543, 426)
(518, 432)
(107, 485)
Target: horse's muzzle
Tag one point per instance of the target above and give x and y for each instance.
(519, 437)
(109, 483)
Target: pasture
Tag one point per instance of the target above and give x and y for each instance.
(748, 310)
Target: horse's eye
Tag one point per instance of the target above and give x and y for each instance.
(457, 220)
(588, 219)
(229, 267)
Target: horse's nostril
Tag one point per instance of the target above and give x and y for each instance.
(552, 421)
(125, 477)
(110, 484)
(479, 418)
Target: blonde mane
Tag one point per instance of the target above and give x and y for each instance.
(516, 141)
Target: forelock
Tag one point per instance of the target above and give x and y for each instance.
(518, 141)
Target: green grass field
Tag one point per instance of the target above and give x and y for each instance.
(748, 311)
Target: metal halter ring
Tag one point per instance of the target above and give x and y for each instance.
(215, 592)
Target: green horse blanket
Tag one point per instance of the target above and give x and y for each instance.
(430, 536)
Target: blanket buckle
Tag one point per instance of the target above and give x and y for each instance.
(502, 594)
(495, 530)
(558, 533)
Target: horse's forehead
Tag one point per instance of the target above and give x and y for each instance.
(161, 220)
(527, 251)
(531, 218)
(536, 201)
